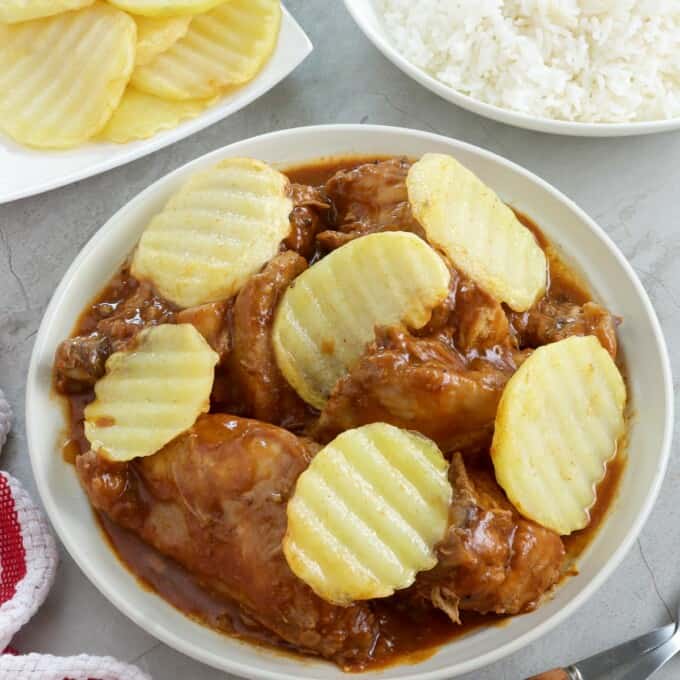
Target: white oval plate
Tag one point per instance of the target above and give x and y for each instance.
(580, 240)
(26, 172)
(369, 20)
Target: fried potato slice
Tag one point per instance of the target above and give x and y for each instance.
(140, 115)
(156, 35)
(151, 393)
(329, 314)
(62, 77)
(477, 231)
(225, 47)
(558, 424)
(221, 227)
(367, 513)
(166, 8)
(14, 11)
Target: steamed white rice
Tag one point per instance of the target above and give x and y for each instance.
(580, 60)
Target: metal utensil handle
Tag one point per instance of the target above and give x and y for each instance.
(570, 673)
(652, 661)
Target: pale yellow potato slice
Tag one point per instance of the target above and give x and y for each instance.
(367, 513)
(559, 422)
(219, 229)
(156, 35)
(222, 48)
(151, 392)
(166, 8)
(476, 230)
(14, 11)
(328, 316)
(62, 77)
(140, 115)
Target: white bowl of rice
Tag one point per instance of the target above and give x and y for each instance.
(595, 68)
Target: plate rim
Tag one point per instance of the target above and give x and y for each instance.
(224, 662)
(304, 47)
(499, 114)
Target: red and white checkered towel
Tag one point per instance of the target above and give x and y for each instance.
(28, 560)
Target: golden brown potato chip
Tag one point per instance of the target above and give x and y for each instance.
(140, 115)
(367, 513)
(558, 424)
(151, 393)
(219, 229)
(62, 77)
(478, 232)
(155, 36)
(14, 11)
(225, 47)
(166, 8)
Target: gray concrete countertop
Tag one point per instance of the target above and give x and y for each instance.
(630, 186)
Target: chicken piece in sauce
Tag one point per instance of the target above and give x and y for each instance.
(214, 499)
(265, 393)
(472, 320)
(369, 198)
(126, 307)
(491, 559)
(420, 384)
(212, 322)
(552, 320)
(309, 207)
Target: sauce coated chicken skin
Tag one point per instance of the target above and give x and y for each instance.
(214, 499)
(419, 384)
(309, 205)
(252, 365)
(551, 320)
(369, 198)
(491, 559)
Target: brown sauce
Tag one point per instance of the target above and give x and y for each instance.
(413, 637)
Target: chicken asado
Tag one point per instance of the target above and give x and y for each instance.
(213, 501)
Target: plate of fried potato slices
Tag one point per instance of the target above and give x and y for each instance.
(361, 404)
(89, 85)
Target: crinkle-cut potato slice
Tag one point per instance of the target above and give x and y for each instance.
(140, 115)
(166, 8)
(14, 11)
(221, 227)
(61, 77)
(329, 314)
(151, 393)
(367, 513)
(478, 232)
(559, 422)
(225, 47)
(156, 35)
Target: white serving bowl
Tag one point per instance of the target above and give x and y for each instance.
(368, 18)
(580, 240)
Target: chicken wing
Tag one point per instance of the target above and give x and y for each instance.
(214, 500)
(491, 559)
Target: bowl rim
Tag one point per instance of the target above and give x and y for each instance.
(498, 113)
(186, 647)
